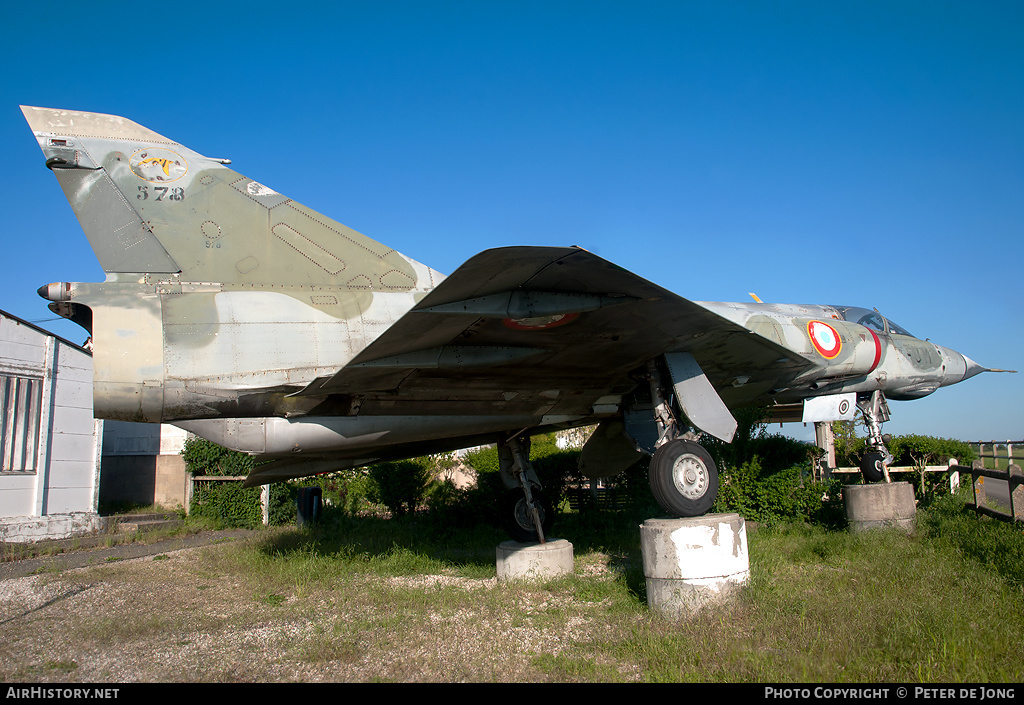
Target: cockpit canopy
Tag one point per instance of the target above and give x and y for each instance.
(870, 319)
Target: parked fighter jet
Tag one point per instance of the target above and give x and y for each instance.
(239, 314)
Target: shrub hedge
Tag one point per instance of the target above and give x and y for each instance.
(765, 477)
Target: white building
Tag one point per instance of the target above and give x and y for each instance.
(50, 444)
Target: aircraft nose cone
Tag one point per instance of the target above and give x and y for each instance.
(973, 368)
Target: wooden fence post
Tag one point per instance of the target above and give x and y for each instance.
(979, 484)
(1016, 493)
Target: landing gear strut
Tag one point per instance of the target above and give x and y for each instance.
(527, 514)
(874, 465)
(683, 477)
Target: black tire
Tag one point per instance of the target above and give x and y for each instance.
(684, 478)
(871, 466)
(518, 520)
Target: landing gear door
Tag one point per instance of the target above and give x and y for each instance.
(832, 407)
(698, 398)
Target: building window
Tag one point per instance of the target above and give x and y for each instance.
(20, 405)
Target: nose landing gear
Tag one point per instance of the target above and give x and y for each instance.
(874, 465)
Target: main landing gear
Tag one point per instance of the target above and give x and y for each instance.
(682, 474)
(874, 464)
(683, 478)
(527, 514)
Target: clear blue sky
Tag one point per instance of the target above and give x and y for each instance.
(864, 153)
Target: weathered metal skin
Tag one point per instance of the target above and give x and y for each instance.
(898, 364)
(884, 358)
(264, 326)
(222, 296)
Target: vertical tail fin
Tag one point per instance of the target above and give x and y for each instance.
(151, 205)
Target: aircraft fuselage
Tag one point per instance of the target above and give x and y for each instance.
(252, 320)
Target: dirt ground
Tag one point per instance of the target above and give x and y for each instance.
(173, 616)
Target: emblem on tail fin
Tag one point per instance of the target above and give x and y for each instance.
(158, 165)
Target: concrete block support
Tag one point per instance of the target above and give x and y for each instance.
(534, 561)
(693, 562)
(882, 504)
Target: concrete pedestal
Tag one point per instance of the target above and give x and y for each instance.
(882, 504)
(534, 561)
(693, 562)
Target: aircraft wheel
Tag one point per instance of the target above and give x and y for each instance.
(518, 519)
(871, 466)
(684, 478)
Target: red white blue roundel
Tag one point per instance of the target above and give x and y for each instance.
(824, 338)
(540, 322)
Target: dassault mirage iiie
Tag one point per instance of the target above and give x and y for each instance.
(243, 316)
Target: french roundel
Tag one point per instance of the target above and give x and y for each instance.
(824, 338)
(540, 322)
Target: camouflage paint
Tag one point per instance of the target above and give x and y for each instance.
(267, 327)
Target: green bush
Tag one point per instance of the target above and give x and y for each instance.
(777, 497)
(775, 451)
(911, 450)
(227, 504)
(918, 451)
(761, 477)
(348, 491)
(480, 503)
(204, 457)
(401, 486)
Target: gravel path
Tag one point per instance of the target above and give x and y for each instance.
(83, 557)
